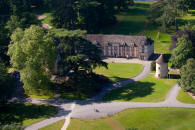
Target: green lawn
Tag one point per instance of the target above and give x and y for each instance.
(120, 71)
(141, 119)
(25, 114)
(185, 98)
(149, 89)
(56, 126)
(42, 96)
(131, 21)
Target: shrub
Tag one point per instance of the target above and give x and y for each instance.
(153, 66)
(11, 127)
(187, 81)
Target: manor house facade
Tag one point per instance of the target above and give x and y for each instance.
(124, 46)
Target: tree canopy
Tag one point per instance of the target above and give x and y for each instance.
(182, 53)
(187, 72)
(32, 52)
(77, 58)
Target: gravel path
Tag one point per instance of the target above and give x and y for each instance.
(93, 108)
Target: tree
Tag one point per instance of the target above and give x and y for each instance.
(188, 31)
(4, 10)
(14, 23)
(182, 53)
(4, 41)
(90, 15)
(187, 73)
(166, 12)
(6, 84)
(32, 52)
(65, 16)
(78, 58)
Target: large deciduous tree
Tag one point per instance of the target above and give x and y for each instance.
(182, 53)
(187, 72)
(78, 58)
(32, 52)
(90, 15)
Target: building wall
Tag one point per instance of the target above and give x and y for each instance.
(161, 70)
(128, 51)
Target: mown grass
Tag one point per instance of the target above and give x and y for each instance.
(25, 114)
(131, 21)
(55, 126)
(149, 89)
(141, 119)
(42, 96)
(184, 97)
(120, 71)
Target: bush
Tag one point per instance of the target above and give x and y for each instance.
(11, 127)
(153, 66)
(187, 81)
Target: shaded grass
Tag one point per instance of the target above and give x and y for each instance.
(184, 97)
(25, 114)
(149, 89)
(42, 96)
(131, 21)
(55, 126)
(141, 119)
(120, 71)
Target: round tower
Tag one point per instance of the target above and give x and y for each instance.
(161, 67)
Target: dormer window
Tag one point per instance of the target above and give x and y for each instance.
(97, 43)
(107, 44)
(124, 44)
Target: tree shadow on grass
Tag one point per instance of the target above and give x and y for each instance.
(17, 113)
(129, 92)
(117, 79)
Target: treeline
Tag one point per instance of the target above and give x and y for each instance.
(90, 15)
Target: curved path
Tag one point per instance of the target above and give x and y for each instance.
(92, 108)
(109, 87)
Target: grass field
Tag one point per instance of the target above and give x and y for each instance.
(141, 119)
(120, 71)
(131, 21)
(149, 89)
(25, 114)
(55, 126)
(185, 98)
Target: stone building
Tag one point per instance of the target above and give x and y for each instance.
(125, 46)
(161, 67)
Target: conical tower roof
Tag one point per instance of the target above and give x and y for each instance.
(161, 59)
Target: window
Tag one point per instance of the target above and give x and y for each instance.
(142, 49)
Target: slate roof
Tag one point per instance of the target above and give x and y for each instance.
(161, 59)
(128, 39)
